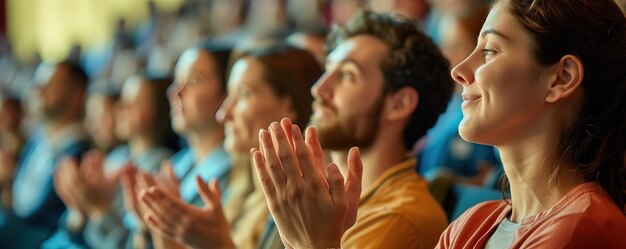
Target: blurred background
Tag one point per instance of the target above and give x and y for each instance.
(112, 38)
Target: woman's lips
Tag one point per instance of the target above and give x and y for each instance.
(469, 99)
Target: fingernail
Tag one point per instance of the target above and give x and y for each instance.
(275, 126)
(263, 135)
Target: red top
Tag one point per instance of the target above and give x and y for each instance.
(585, 218)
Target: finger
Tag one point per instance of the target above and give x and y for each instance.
(271, 159)
(98, 165)
(216, 189)
(116, 175)
(156, 225)
(93, 170)
(262, 173)
(286, 124)
(315, 148)
(170, 176)
(285, 153)
(86, 162)
(128, 193)
(74, 176)
(161, 205)
(309, 171)
(205, 193)
(125, 182)
(336, 187)
(59, 186)
(217, 202)
(353, 185)
(144, 180)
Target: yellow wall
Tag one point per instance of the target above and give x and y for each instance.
(51, 27)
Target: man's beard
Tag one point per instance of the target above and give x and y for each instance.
(351, 131)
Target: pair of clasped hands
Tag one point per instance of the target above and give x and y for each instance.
(309, 200)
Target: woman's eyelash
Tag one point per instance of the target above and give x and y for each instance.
(487, 52)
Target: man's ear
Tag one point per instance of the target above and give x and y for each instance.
(569, 75)
(401, 104)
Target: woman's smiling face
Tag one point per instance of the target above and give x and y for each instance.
(504, 88)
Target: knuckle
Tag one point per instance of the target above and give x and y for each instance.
(274, 167)
(302, 154)
(295, 192)
(266, 181)
(284, 155)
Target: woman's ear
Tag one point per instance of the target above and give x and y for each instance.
(569, 76)
(401, 104)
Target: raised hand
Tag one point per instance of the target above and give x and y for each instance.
(98, 189)
(86, 188)
(310, 202)
(66, 180)
(193, 226)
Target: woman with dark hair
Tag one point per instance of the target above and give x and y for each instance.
(99, 116)
(264, 85)
(195, 96)
(546, 85)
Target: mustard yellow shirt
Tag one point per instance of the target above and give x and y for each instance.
(397, 211)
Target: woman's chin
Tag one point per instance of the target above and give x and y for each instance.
(469, 133)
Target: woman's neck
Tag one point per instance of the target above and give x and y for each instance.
(536, 178)
(203, 143)
(141, 144)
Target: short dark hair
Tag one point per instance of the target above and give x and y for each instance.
(414, 61)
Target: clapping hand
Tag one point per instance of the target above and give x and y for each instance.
(310, 202)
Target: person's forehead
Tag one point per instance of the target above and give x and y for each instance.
(361, 49)
(245, 71)
(500, 22)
